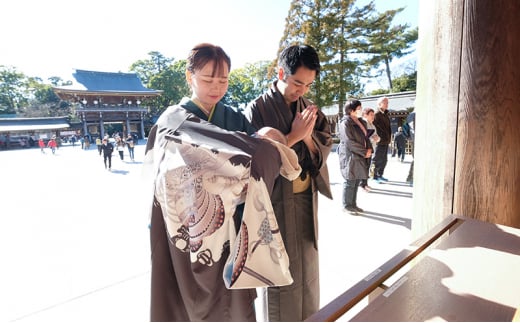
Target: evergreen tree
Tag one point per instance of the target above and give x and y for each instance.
(13, 88)
(350, 41)
(247, 83)
(386, 42)
(332, 27)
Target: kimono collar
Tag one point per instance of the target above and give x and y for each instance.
(192, 107)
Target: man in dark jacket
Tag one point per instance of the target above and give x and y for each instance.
(107, 149)
(411, 122)
(382, 124)
(400, 143)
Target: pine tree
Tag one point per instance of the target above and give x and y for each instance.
(386, 42)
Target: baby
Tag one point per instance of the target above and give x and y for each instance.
(290, 168)
(272, 133)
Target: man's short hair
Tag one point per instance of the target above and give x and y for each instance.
(295, 56)
(381, 99)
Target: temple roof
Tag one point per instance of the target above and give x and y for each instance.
(106, 82)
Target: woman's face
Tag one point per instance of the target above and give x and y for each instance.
(356, 113)
(207, 89)
(370, 116)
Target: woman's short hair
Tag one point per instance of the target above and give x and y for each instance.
(367, 111)
(351, 105)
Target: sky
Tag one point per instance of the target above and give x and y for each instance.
(55, 37)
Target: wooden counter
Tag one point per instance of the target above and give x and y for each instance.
(472, 275)
(468, 270)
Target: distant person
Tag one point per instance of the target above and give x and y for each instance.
(58, 142)
(120, 147)
(384, 131)
(41, 144)
(130, 144)
(52, 145)
(87, 143)
(73, 140)
(107, 149)
(82, 141)
(411, 122)
(354, 150)
(22, 142)
(98, 145)
(368, 116)
(400, 143)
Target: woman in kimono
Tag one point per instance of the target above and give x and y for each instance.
(354, 151)
(183, 289)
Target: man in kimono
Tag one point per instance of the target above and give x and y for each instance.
(295, 203)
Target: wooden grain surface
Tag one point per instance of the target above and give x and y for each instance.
(471, 276)
(487, 178)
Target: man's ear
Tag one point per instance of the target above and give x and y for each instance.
(281, 73)
(188, 77)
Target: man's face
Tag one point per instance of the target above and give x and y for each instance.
(295, 86)
(383, 105)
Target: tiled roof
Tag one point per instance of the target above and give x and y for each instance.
(92, 81)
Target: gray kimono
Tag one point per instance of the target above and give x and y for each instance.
(296, 210)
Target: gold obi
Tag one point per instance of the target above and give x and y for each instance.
(300, 185)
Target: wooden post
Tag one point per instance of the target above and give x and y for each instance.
(467, 112)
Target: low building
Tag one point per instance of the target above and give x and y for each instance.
(24, 132)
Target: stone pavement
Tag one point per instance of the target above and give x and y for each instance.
(74, 242)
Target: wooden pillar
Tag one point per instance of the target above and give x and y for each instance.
(101, 126)
(142, 126)
(467, 159)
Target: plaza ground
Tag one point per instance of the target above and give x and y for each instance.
(74, 237)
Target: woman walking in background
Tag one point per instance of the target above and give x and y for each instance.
(354, 151)
(120, 147)
(52, 145)
(130, 143)
(41, 144)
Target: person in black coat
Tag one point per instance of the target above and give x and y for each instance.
(400, 143)
(107, 149)
(384, 131)
(354, 152)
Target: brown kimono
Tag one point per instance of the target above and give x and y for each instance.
(207, 257)
(295, 204)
